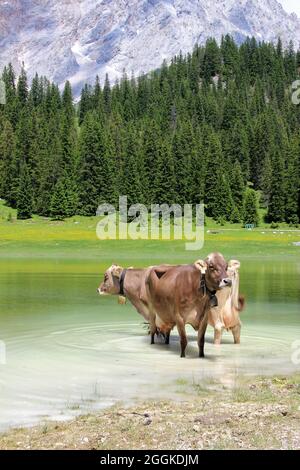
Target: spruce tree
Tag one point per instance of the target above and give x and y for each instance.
(250, 212)
(132, 184)
(92, 157)
(292, 183)
(212, 59)
(164, 180)
(24, 201)
(266, 181)
(184, 151)
(224, 208)
(10, 109)
(212, 178)
(58, 205)
(8, 166)
(22, 88)
(107, 95)
(276, 210)
(237, 188)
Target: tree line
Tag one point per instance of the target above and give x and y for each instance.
(217, 125)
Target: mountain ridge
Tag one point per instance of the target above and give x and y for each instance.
(77, 39)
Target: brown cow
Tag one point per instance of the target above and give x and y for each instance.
(130, 283)
(183, 294)
(230, 304)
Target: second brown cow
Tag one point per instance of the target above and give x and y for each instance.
(183, 295)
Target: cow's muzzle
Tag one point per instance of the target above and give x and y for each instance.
(226, 282)
(100, 292)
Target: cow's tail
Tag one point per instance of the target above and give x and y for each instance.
(241, 303)
(237, 300)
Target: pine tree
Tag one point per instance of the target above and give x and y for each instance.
(238, 148)
(224, 208)
(237, 188)
(69, 162)
(151, 151)
(109, 169)
(58, 207)
(86, 103)
(250, 212)
(107, 95)
(67, 103)
(8, 166)
(164, 180)
(132, 185)
(266, 181)
(212, 179)
(184, 151)
(230, 54)
(24, 202)
(212, 59)
(92, 155)
(10, 109)
(292, 183)
(276, 210)
(22, 88)
(49, 167)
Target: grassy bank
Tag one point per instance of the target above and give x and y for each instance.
(255, 414)
(76, 238)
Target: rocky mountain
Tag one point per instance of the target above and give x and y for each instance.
(77, 39)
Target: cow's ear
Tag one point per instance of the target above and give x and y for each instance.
(116, 270)
(234, 265)
(201, 265)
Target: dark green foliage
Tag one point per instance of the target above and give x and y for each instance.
(237, 188)
(266, 181)
(276, 210)
(250, 212)
(92, 165)
(22, 88)
(58, 205)
(212, 59)
(24, 200)
(224, 201)
(8, 167)
(292, 184)
(213, 176)
(199, 129)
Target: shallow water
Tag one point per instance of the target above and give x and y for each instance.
(69, 351)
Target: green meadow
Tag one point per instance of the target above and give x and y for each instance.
(75, 238)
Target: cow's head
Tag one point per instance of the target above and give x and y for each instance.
(215, 269)
(111, 282)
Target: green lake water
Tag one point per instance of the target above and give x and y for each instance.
(70, 351)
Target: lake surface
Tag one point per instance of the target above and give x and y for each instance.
(69, 351)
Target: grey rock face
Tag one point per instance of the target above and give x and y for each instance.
(77, 39)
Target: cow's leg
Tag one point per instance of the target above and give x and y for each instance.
(217, 336)
(236, 331)
(152, 326)
(182, 333)
(201, 334)
(167, 337)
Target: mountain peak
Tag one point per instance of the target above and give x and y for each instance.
(77, 39)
